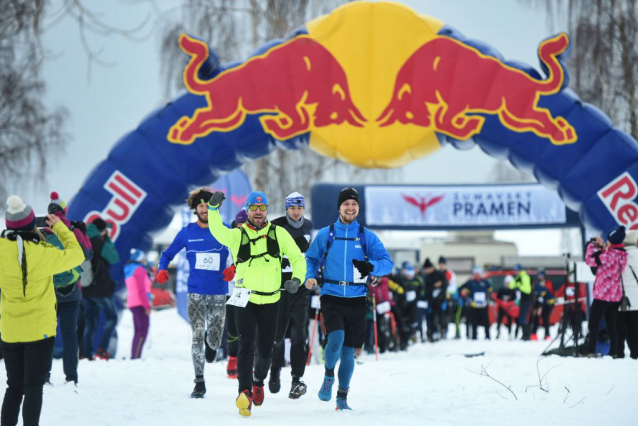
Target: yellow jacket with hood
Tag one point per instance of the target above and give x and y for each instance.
(28, 313)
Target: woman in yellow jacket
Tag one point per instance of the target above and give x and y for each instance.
(28, 306)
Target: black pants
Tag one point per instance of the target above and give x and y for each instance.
(253, 319)
(28, 366)
(439, 319)
(598, 310)
(293, 315)
(232, 337)
(479, 315)
(68, 315)
(502, 315)
(546, 312)
(627, 325)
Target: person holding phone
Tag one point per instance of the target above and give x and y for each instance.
(98, 295)
(28, 318)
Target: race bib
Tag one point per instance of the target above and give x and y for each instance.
(423, 304)
(570, 291)
(436, 292)
(356, 276)
(383, 307)
(207, 261)
(410, 296)
(540, 299)
(315, 302)
(480, 300)
(239, 297)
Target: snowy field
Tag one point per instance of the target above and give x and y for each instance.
(429, 384)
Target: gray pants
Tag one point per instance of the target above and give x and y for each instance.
(206, 314)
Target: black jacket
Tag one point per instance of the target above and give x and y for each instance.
(301, 236)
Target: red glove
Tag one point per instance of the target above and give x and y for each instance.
(229, 273)
(162, 276)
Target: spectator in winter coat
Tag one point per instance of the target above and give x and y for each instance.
(523, 283)
(505, 298)
(138, 299)
(28, 307)
(544, 302)
(98, 295)
(478, 290)
(67, 292)
(628, 320)
(414, 291)
(610, 260)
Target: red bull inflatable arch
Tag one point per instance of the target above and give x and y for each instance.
(376, 85)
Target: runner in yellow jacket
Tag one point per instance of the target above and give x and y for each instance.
(257, 249)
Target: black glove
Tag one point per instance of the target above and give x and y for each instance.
(292, 285)
(79, 225)
(363, 267)
(216, 199)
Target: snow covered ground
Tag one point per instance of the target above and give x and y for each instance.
(429, 384)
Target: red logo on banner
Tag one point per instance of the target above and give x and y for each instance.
(422, 202)
(618, 196)
(127, 197)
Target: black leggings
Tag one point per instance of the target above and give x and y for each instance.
(609, 310)
(232, 337)
(546, 312)
(253, 319)
(293, 315)
(628, 331)
(28, 366)
(501, 316)
(479, 315)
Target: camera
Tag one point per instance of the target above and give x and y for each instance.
(41, 222)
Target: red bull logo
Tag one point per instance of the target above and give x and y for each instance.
(127, 197)
(371, 95)
(299, 82)
(618, 196)
(445, 81)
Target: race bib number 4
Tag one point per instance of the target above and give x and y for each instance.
(207, 261)
(239, 297)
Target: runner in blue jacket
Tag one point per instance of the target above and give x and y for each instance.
(207, 284)
(352, 253)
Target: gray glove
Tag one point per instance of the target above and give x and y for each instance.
(292, 285)
(216, 199)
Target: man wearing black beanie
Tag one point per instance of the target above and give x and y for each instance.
(351, 254)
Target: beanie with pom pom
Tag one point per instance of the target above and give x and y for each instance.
(19, 216)
(57, 204)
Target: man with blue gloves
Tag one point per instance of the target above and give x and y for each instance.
(351, 254)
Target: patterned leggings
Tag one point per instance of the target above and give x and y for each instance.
(206, 314)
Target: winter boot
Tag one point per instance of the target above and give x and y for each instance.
(200, 388)
(297, 389)
(325, 393)
(244, 402)
(274, 383)
(231, 368)
(258, 393)
(533, 337)
(211, 353)
(342, 400)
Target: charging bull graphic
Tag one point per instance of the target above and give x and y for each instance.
(445, 80)
(299, 81)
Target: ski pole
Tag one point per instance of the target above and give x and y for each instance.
(374, 320)
(312, 339)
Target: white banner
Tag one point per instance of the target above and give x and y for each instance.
(462, 205)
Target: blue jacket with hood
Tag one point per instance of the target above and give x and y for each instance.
(338, 263)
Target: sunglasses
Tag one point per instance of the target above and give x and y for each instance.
(261, 207)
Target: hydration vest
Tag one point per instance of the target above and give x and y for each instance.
(272, 246)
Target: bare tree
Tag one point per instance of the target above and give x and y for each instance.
(234, 28)
(603, 65)
(30, 133)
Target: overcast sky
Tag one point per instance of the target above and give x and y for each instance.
(115, 99)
